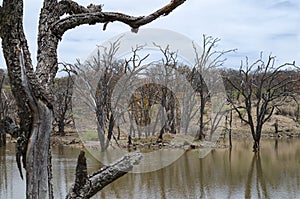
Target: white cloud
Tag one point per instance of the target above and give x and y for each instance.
(249, 25)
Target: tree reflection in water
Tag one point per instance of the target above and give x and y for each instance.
(274, 172)
(256, 174)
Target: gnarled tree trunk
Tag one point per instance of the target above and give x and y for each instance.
(32, 88)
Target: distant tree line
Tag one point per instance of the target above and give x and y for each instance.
(254, 92)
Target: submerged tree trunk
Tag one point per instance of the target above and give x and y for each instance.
(61, 127)
(230, 129)
(86, 186)
(201, 134)
(2, 139)
(257, 136)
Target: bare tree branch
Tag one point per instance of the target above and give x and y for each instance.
(70, 7)
(264, 86)
(84, 16)
(1, 18)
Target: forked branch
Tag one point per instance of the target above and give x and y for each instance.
(93, 14)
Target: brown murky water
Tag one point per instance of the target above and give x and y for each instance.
(239, 173)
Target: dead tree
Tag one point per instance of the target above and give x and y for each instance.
(3, 100)
(63, 90)
(111, 71)
(95, 82)
(228, 126)
(263, 86)
(7, 126)
(167, 95)
(3, 110)
(205, 79)
(6, 108)
(31, 86)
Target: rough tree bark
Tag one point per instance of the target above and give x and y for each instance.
(86, 186)
(32, 88)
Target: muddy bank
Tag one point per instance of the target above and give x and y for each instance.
(151, 143)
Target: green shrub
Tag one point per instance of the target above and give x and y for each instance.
(90, 135)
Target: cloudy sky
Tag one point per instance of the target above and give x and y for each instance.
(251, 26)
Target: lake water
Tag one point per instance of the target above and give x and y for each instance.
(239, 173)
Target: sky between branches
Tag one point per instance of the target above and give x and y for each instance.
(251, 26)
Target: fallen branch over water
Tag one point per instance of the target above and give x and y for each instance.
(86, 186)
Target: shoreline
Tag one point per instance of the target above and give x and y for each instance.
(73, 140)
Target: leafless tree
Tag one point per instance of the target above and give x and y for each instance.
(3, 110)
(145, 98)
(207, 81)
(7, 105)
(168, 96)
(111, 72)
(228, 126)
(158, 91)
(63, 90)
(263, 86)
(95, 82)
(31, 86)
